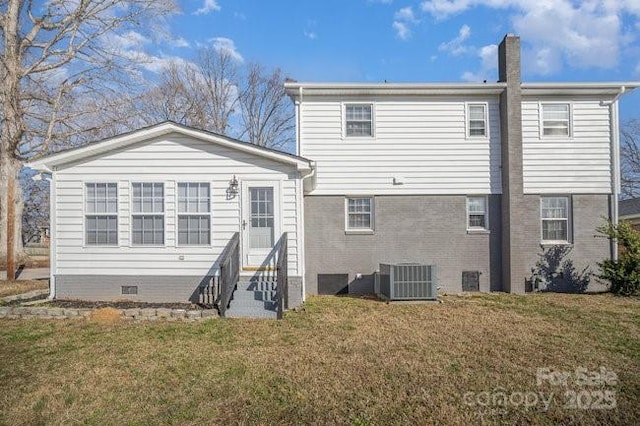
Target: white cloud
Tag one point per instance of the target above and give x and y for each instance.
(312, 35)
(582, 34)
(402, 30)
(488, 64)
(406, 14)
(470, 76)
(456, 45)
(207, 7)
(180, 42)
(226, 45)
(403, 19)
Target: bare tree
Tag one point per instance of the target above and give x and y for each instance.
(61, 63)
(214, 94)
(630, 159)
(267, 114)
(202, 94)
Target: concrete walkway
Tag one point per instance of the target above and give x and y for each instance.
(29, 274)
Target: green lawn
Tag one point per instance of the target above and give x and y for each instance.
(340, 361)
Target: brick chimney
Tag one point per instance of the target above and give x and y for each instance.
(514, 206)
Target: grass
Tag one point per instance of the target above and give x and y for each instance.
(340, 361)
(10, 288)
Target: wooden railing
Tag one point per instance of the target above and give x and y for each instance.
(229, 273)
(282, 276)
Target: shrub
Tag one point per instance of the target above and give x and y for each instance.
(624, 273)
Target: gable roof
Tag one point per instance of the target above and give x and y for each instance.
(629, 208)
(47, 163)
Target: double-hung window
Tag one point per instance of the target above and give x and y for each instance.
(555, 217)
(148, 213)
(101, 214)
(358, 120)
(556, 119)
(476, 213)
(359, 214)
(477, 120)
(194, 213)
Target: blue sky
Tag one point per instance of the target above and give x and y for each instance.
(416, 40)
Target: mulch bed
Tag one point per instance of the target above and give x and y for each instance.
(82, 304)
(20, 302)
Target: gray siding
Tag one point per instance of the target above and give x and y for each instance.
(424, 229)
(432, 230)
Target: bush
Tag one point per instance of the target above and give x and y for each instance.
(624, 273)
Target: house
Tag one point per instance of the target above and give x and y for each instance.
(477, 182)
(629, 210)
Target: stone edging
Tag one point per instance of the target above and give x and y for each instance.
(148, 314)
(23, 296)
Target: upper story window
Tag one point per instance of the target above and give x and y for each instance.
(101, 214)
(477, 120)
(477, 213)
(358, 120)
(556, 119)
(359, 214)
(147, 213)
(194, 213)
(554, 214)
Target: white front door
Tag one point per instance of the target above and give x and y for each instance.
(260, 222)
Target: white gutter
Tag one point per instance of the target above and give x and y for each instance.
(53, 237)
(615, 162)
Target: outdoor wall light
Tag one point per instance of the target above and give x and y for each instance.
(233, 186)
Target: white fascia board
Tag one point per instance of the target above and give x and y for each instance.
(47, 163)
(589, 88)
(381, 89)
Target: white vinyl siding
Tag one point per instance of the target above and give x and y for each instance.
(101, 214)
(148, 213)
(423, 141)
(556, 119)
(580, 164)
(194, 213)
(477, 213)
(358, 120)
(359, 214)
(555, 217)
(477, 120)
(168, 160)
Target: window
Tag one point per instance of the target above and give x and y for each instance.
(477, 120)
(554, 212)
(359, 214)
(194, 214)
(476, 213)
(359, 120)
(148, 213)
(555, 119)
(101, 214)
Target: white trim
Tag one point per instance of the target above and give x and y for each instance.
(472, 229)
(118, 142)
(467, 120)
(53, 236)
(541, 104)
(163, 214)
(372, 215)
(344, 105)
(569, 219)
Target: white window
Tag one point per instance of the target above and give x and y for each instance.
(554, 212)
(556, 119)
(359, 214)
(101, 214)
(476, 213)
(477, 120)
(194, 214)
(358, 120)
(148, 213)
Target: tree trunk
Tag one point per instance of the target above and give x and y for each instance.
(12, 167)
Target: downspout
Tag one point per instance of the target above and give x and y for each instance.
(615, 163)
